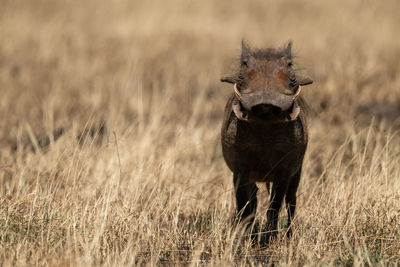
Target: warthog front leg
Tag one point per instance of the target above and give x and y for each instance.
(278, 191)
(246, 197)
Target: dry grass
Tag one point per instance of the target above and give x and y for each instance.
(137, 177)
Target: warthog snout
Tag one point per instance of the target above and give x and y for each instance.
(265, 111)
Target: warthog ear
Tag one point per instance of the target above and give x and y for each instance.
(288, 49)
(228, 80)
(303, 80)
(245, 55)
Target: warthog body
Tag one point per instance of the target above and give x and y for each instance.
(264, 133)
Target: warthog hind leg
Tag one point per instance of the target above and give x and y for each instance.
(291, 199)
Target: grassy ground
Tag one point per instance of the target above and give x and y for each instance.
(110, 115)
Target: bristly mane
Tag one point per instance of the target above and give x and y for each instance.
(266, 53)
(269, 53)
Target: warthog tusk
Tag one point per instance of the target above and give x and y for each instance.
(237, 93)
(297, 94)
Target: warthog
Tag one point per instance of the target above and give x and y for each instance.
(264, 133)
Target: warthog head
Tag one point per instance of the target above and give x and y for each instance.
(266, 84)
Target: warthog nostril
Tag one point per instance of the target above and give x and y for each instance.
(266, 110)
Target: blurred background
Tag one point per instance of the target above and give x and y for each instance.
(124, 97)
(63, 58)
